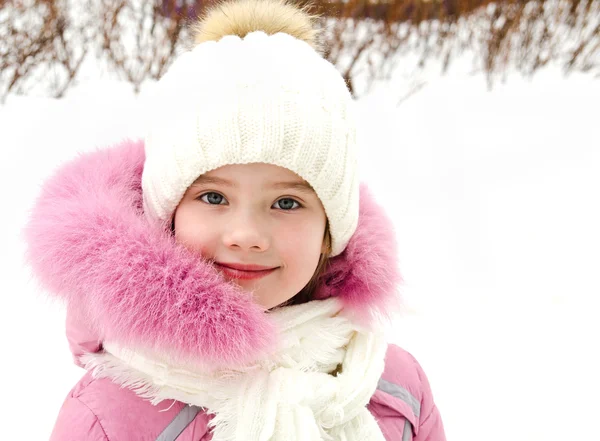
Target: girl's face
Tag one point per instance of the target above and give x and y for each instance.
(260, 224)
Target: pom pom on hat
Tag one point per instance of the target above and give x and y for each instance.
(246, 16)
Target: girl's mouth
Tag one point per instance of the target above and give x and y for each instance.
(244, 272)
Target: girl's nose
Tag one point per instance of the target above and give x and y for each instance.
(245, 234)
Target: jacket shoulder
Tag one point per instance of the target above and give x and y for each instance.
(77, 421)
(115, 413)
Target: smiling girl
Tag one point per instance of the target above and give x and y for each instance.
(226, 278)
(263, 227)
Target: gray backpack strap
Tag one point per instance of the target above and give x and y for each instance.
(401, 393)
(395, 390)
(407, 433)
(183, 419)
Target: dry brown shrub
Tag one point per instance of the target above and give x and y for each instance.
(364, 38)
(40, 42)
(140, 38)
(524, 34)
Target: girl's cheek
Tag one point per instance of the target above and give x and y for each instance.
(302, 234)
(198, 243)
(291, 232)
(193, 231)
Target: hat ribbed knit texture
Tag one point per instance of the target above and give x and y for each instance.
(259, 99)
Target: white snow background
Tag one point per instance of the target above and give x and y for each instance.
(495, 199)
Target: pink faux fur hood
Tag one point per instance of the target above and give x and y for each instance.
(126, 280)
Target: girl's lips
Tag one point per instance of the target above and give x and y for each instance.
(244, 272)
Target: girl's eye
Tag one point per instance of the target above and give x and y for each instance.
(286, 204)
(213, 199)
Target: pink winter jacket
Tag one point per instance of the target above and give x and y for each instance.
(126, 280)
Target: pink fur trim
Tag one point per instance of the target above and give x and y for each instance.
(365, 276)
(90, 244)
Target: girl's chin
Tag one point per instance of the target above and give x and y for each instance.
(268, 303)
(253, 286)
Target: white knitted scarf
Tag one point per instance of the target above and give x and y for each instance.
(314, 387)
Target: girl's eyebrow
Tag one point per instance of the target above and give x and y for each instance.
(214, 180)
(301, 186)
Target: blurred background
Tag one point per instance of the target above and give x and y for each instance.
(137, 40)
(479, 134)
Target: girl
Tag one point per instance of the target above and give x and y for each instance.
(226, 278)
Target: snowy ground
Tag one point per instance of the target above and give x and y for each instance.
(495, 199)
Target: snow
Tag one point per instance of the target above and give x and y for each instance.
(494, 195)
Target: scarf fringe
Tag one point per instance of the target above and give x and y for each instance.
(105, 365)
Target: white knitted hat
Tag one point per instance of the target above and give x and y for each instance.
(261, 98)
